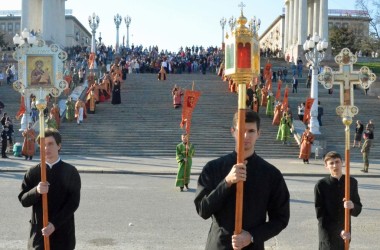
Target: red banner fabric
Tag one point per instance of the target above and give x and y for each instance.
(189, 102)
(22, 109)
(308, 105)
(285, 101)
(278, 93)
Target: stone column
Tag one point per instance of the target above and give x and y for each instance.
(310, 10)
(316, 17)
(47, 26)
(31, 16)
(302, 25)
(62, 24)
(286, 33)
(323, 17)
(290, 27)
(295, 22)
(24, 15)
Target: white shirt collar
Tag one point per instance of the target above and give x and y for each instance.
(52, 164)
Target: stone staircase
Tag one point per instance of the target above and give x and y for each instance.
(146, 124)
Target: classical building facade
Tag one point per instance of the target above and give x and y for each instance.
(282, 40)
(73, 31)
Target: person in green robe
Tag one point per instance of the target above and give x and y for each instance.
(184, 154)
(270, 104)
(51, 122)
(284, 132)
(70, 109)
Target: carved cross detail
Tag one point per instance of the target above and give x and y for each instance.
(346, 77)
(241, 5)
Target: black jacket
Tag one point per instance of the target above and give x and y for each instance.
(63, 201)
(329, 194)
(265, 194)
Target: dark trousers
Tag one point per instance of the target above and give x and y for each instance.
(3, 147)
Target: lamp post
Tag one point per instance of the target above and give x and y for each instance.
(93, 21)
(314, 49)
(127, 21)
(117, 19)
(232, 23)
(100, 38)
(223, 23)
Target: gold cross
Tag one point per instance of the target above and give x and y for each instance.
(346, 77)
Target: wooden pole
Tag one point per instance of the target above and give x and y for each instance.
(41, 105)
(240, 156)
(347, 214)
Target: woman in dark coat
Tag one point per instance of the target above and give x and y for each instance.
(358, 134)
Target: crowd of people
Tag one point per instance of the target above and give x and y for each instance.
(139, 59)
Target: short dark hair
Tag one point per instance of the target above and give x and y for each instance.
(250, 117)
(54, 133)
(331, 155)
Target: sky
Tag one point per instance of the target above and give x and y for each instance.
(170, 24)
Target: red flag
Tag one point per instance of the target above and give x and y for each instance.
(22, 109)
(285, 101)
(267, 71)
(308, 105)
(278, 93)
(268, 85)
(91, 61)
(190, 101)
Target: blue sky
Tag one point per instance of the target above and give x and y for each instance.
(172, 23)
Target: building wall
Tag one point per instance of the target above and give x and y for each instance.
(11, 25)
(273, 36)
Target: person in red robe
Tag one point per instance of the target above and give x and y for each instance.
(56, 114)
(177, 94)
(277, 114)
(264, 97)
(161, 74)
(307, 140)
(28, 147)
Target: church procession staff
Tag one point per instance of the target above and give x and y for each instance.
(185, 150)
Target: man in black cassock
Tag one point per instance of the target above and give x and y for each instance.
(63, 189)
(265, 200)
(330, 204)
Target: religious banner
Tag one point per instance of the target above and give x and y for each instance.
(278, 93)
(22, 109)
(285, 101)
(189, 102)
(268, 85)
(91, 61)
(308, 104)
(267, 71)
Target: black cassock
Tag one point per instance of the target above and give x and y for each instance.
(116, 99)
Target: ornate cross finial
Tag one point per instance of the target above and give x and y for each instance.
(241, 5)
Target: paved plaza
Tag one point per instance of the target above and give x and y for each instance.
(131, 203)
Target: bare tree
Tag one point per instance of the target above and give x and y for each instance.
(371, 9)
